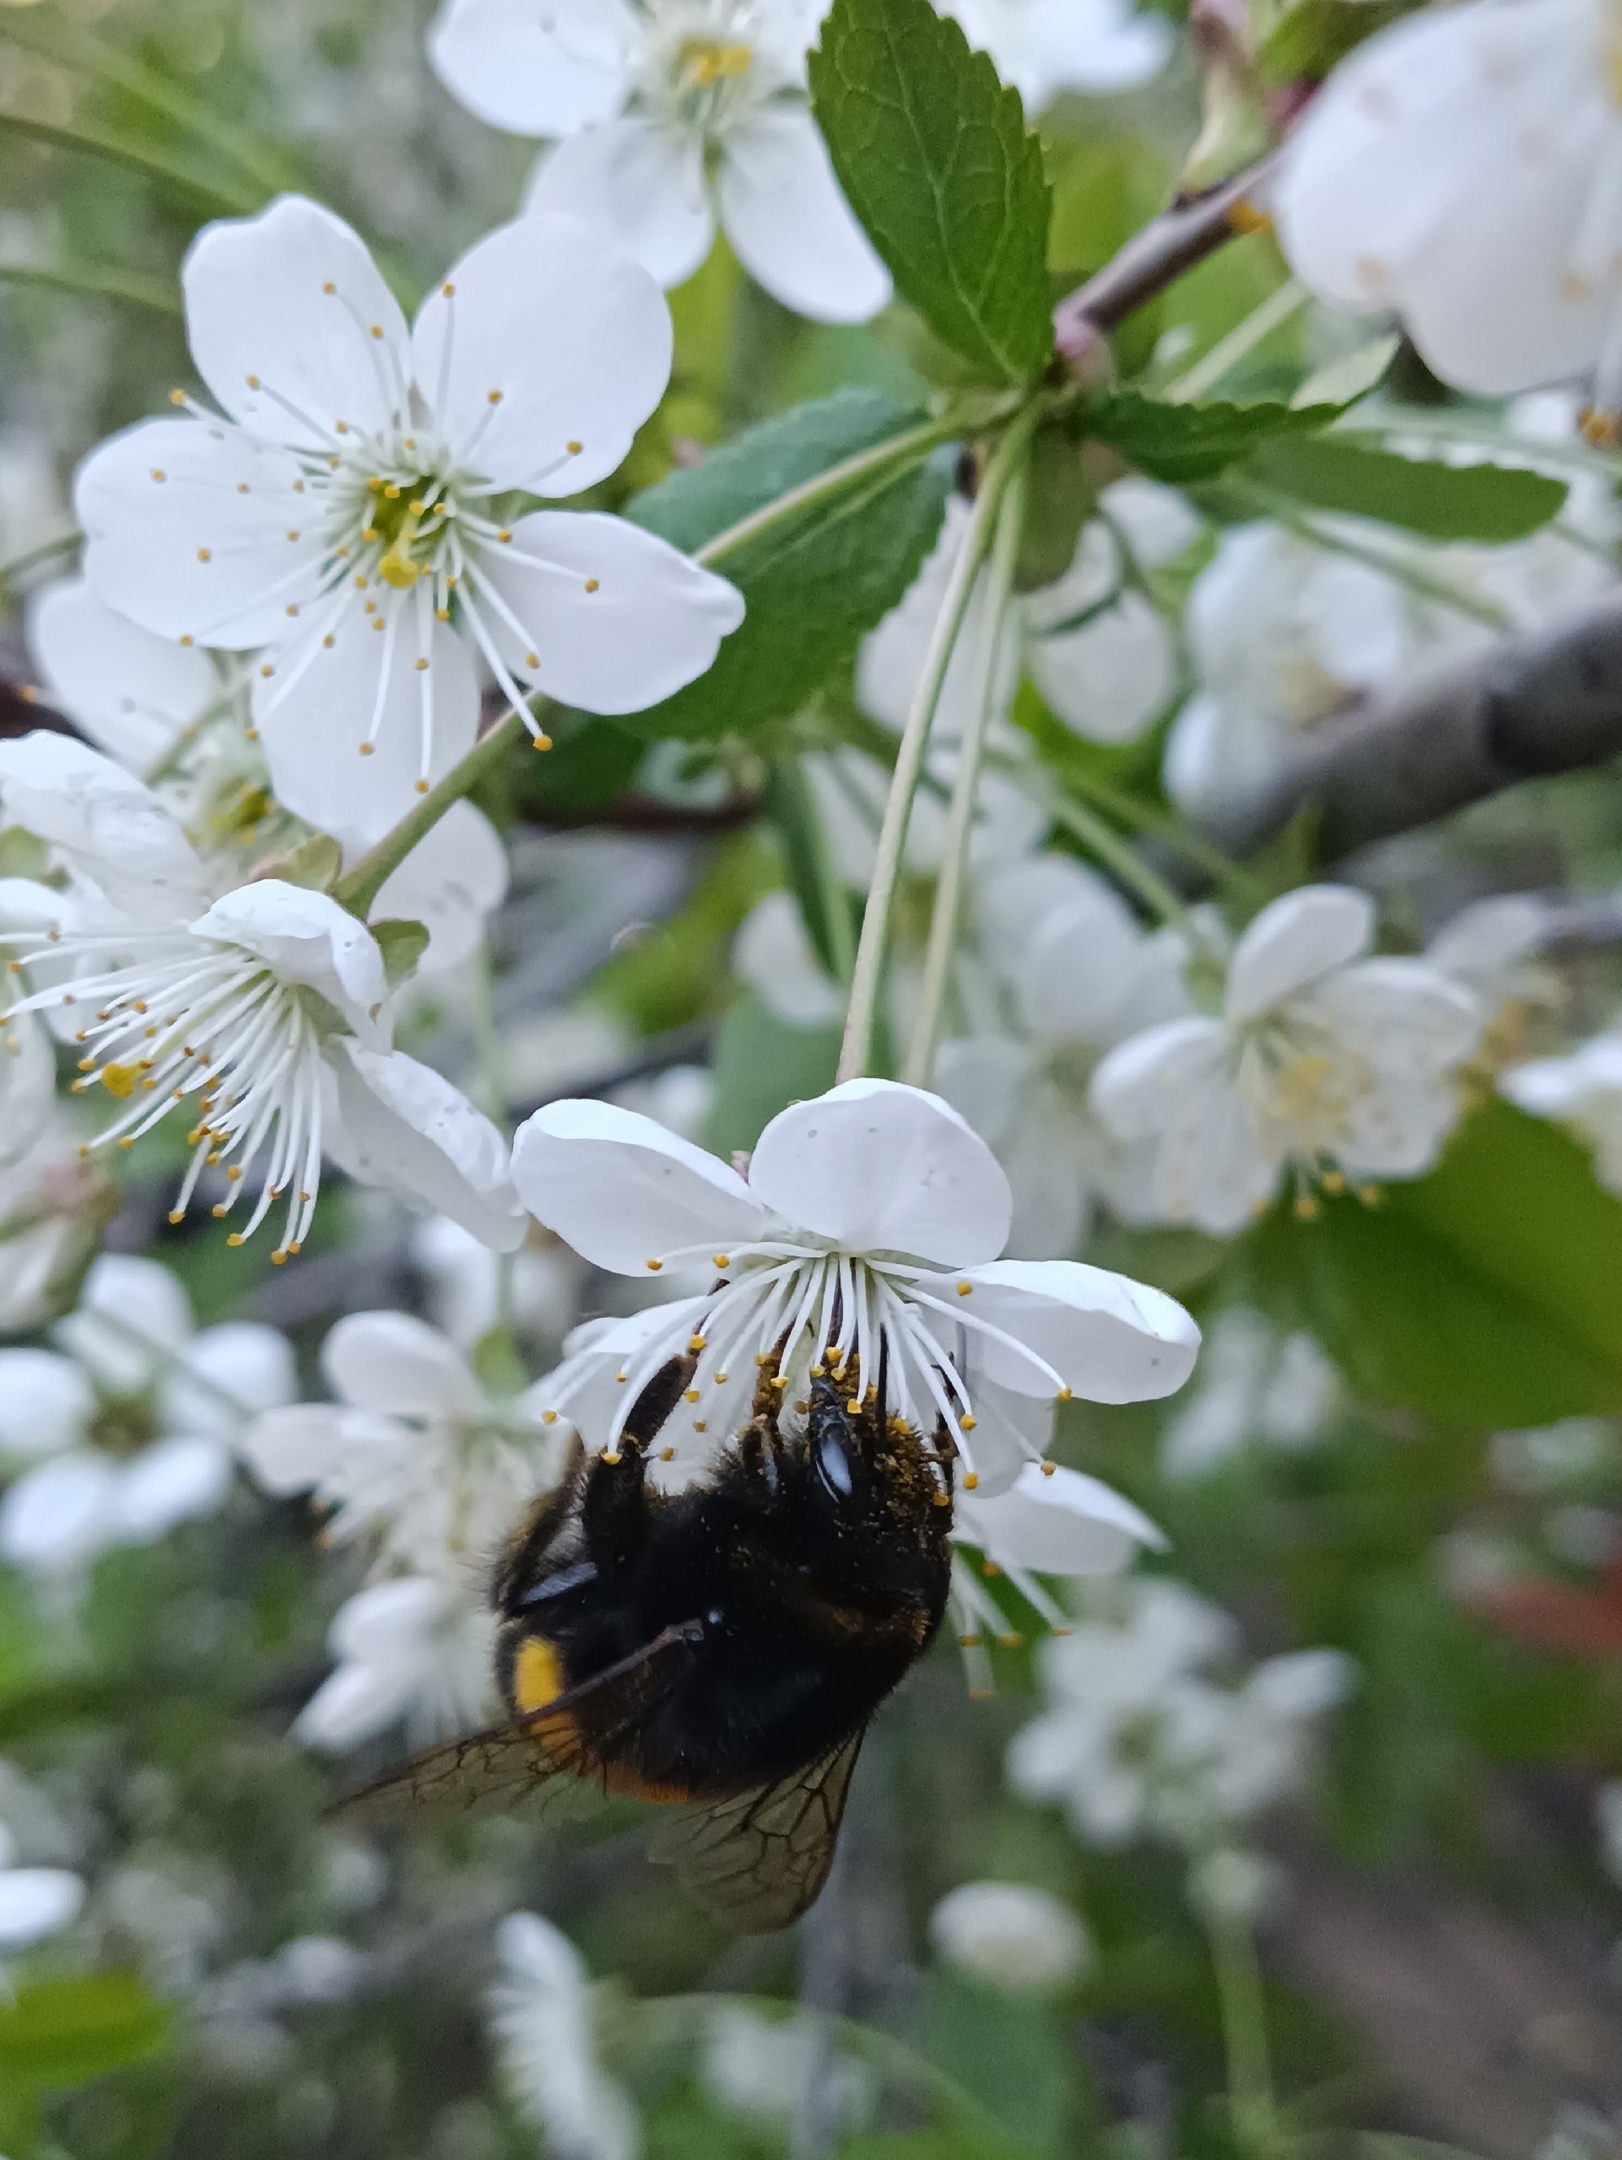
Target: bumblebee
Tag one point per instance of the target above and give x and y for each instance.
(720, 1649)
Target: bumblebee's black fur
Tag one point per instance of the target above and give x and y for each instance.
(803, 1579)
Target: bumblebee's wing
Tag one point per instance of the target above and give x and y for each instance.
(492, 1772)
(759, 1860)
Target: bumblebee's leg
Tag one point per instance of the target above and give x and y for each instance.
(524, 1556)
(614, 1506)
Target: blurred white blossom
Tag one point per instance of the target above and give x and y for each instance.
(124, 1432)
(1045, 47)
(1324, 1064)
(1256, 1382)
(762, 2067)
(541, 2014)
(672, 116)
(411, 1650)
(1583, 1091)
(1010, 1936)
(35, 1902)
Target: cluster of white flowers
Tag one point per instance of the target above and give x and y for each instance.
(1138, 1740)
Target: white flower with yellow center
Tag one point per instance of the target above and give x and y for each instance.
(1464, 169)
(864, 1242)
(344, 519)
(671, 116)
(1336, 1066)
(1045, 47)
(264, 1012)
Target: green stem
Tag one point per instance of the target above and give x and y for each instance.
(1244, 2033)
(45, 552)
(361, 887)
(1240, 342)
(943, 921)
(1120, 857)
(92, 279)
(119, 150)
(1172, 833)
(856, 1050)
(72, 47)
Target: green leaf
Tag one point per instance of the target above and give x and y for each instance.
(316, 863)
(60, 2032)
(1357, 475)
(933, 154)
(814, 579)
(1184, 442)
(1484, 1294)
(761, 1066)
(1306, 43)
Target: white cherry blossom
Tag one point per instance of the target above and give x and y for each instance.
(124, 1431)
(1323, 1062)
(1463, 169)
(265, 1011)
(415, 1650)
(136, 695)
(35, 1902)
(1010, 1936)
(1256, 1383)
(1045, 47)
(341, 517)
(1100, 652)
(413, 1456)
(541, 2013)
(673, 116)
(1077, 974)
(865, 1239)
(1582, 1091)
(1137, 1738)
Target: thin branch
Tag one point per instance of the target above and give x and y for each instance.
(1167, 246)
(1534, 706)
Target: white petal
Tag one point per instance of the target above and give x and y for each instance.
(535, 74)
(353, 1705)
(306, 937)
(292, 1449)
(56, 1519)
(377, 1627)
(643, 185)
(196, 530)
(1057, 1522)
(1011, 1936)
(451, 882)
(224, 1376)
(877, 1167)
(110, 828)
(391, 1361)
(1170, 1087)
(315, 719)
(132, 692)
(171, 1482)
(292, 326)
(27, 1086)
(36, 1902)
(533, 1950)
(415, 1133)
(1295, 941)
(1110, 677)
(614, 618)
(1109, 1339)
(556, 340)
(133, 1317)
(623, 1191)
(46, 1402)
(789, 224)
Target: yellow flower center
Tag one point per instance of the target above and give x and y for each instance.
(703, 62)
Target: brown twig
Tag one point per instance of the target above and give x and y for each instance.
(1152, 259)
(1547, 703)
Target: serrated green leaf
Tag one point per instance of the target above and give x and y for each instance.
(815, 580)
(1194, 441)
(1356, 475)
(60, 2032)
(1483, 1294)
(934, 155)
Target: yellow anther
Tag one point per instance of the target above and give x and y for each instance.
(594, 584)
(969, 1642)
(159, 475)
(1049, 1468)
(720, 1379)
(549, 1417)
(120, 1080)
(235, 1238)
(668, 1454)
(612, 1457)
(449, 291)
(1306, 1207)
(422, 667)
(691, 1395)
(494, 396)
(964, 1288)
(177, 1215)
(971, 1480)
(205, 555)
(654, 1266)
(967, 1424)
(575, 448)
